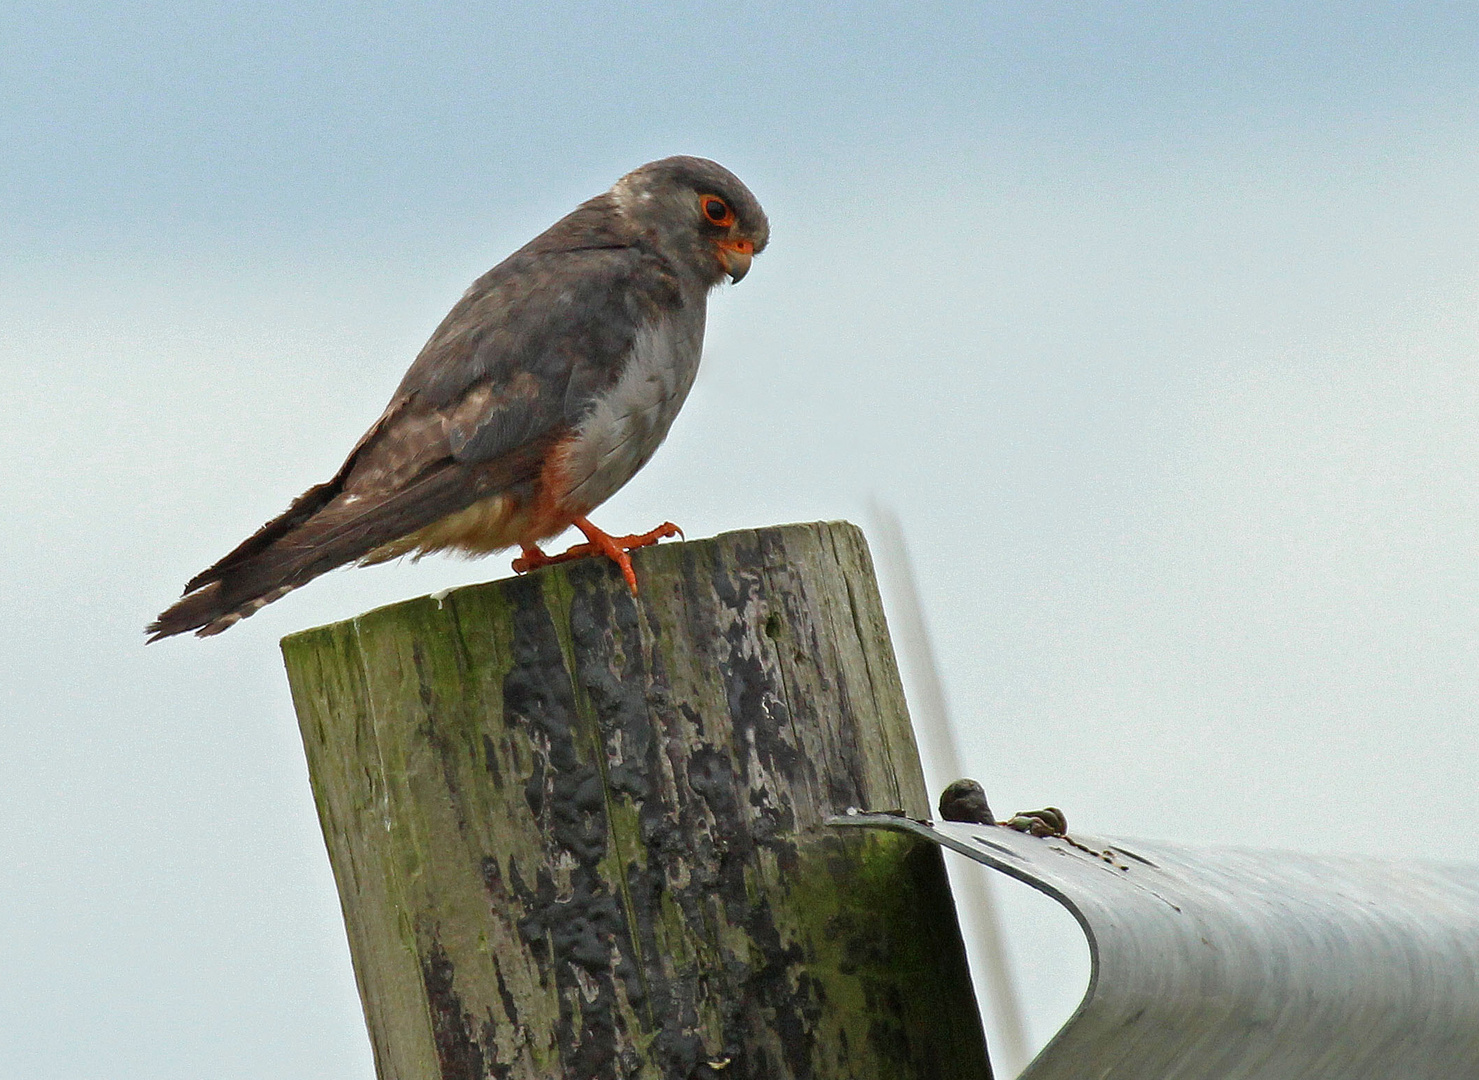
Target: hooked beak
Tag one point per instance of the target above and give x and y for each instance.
(736, 256)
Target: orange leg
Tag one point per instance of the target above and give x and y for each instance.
(597, 542)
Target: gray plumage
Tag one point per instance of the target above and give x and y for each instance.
(543, 390)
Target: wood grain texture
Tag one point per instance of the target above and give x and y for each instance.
(581, 835)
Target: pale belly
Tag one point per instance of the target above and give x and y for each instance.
(615, 439)
(626, 427)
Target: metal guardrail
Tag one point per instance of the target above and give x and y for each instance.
(1235, 963)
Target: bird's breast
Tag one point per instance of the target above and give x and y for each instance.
(627, 424)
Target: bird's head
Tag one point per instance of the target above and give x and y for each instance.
(699, 213)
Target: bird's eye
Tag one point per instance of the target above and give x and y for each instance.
(717, 210)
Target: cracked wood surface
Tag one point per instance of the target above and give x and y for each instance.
(577, 834)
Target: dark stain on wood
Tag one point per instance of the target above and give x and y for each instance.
(459, 1053)
(601, 820)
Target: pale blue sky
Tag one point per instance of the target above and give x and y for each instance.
(1158, 324)
(278, 119)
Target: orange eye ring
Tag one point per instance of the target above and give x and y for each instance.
(716, 211)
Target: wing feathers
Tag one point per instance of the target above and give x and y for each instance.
(296, 553)
(514, 366)
(345, 529)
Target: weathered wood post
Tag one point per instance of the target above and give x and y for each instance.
(579, 835)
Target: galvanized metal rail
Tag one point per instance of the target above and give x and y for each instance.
(1235, 963)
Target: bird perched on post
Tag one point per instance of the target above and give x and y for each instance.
(543, 391)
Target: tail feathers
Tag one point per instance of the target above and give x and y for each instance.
(267, 575)
(304, 507)
(208, 611)
(345, 530)
(247, 586)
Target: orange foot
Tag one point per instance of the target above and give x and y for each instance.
(597, 542)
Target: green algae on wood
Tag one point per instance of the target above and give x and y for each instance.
(580, 835)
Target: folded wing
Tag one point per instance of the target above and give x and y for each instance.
(511, 371)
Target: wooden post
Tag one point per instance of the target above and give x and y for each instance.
(579, 835)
